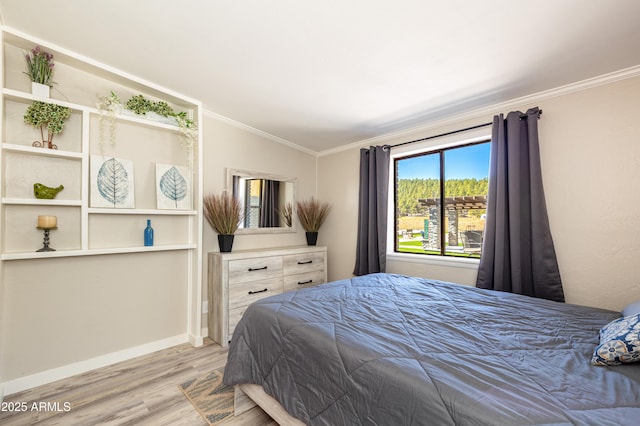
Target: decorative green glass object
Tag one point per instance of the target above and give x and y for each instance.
(44, 192)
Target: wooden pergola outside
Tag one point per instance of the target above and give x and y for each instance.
(457, 203)
(472, 239)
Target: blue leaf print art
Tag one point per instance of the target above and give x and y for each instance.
(173, 185)
(112, 183)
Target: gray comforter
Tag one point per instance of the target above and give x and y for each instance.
(394, 350)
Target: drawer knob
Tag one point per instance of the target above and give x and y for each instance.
(305, 282)
(257, 291)
(257, 269)
(306, 262)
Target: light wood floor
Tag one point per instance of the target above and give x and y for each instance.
(142, 391)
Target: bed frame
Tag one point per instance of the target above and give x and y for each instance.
(248, 396)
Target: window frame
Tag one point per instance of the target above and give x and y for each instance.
(426, 149)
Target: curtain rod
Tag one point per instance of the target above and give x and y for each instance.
(466, 129)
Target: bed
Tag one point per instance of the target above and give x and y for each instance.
(389, 349)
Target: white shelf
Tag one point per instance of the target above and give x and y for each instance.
(143, 121)
(41, 202)
(22, 96)
(41, 151)
(95, 252)
(146, 212)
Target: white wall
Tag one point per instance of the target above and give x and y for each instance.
(68, 310)
(590, 163)
(58, 314)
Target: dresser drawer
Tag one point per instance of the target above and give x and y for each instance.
(244, 294)
(304, 262)
(298, 281)
(243, 270)
(238, 279)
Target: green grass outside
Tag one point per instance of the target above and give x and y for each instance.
(416, 247)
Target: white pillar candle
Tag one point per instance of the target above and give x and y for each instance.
(47, 222)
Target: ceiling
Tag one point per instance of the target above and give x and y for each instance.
(323, 74)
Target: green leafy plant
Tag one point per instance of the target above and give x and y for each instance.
(188, 131)
(223, 212)
(39, 65)
(49, 116)
(312, 213)
(139, 104)
(162, 108)
(183, 121)
(110, 106)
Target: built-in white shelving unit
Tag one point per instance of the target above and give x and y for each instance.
(84, 230)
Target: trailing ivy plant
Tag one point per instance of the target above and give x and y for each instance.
(108, 107)
(49, 116)
(188, 131)
(111, 106)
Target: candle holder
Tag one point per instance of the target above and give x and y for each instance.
(45, 243)
(46, 223)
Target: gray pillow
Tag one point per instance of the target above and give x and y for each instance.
(631, 309)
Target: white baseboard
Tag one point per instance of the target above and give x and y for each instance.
(48, 376)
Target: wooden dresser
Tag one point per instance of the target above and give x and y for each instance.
(239, 278)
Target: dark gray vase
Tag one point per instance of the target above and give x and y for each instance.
(312, 238)
(225, 242)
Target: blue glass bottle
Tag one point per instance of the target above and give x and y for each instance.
(148, 234)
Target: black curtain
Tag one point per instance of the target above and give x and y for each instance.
(371, 247)
(269, 199)
(518, 255)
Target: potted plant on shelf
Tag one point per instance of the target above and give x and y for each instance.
(159, 111)
(163, 112)
(312, 214)
(39, 69)
(52, 116)
(223, 212)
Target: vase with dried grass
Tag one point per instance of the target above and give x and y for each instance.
(223, 212)
(312, 214)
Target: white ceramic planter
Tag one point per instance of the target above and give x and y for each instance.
(40, 90)
(151, 116)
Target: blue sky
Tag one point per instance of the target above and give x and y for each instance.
(461, 163)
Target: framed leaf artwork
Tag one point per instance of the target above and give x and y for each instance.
(173, 187)
(111, 182)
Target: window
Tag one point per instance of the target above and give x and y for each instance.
(252, 191)
(441, 201)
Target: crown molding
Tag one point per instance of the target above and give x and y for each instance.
(258, 132)
(483, 112)
(478, 113)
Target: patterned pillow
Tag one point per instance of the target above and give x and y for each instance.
(619, 342)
